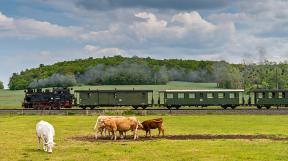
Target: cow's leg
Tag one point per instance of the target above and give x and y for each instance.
(44, 145)
(38, 146)
(44, 141)
(135, 133)
(115, 136)
(112, 136)
(121, 135)
(146, 132)
(101, 131)
(109, 133)
(96, 134)
(162, 129)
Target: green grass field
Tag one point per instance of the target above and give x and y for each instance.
(18, 140)
(13, 99)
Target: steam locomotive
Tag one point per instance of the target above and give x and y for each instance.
(58, 98)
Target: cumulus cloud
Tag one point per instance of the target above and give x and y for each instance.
(100, 52)
(25, 27)
(158, 4)
(181, 29)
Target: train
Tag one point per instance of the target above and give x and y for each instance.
(62, 98)
(55, 99)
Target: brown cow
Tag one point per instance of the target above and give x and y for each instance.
(122, 125)
(153, 124)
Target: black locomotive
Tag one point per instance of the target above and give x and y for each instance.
(56, 98)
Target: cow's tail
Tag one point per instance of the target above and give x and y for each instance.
(96, 125)
(96, 128)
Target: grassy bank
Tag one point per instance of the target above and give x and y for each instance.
(18, 139)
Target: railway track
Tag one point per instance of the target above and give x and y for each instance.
(162, 111)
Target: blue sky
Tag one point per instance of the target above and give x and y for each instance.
(46, 31)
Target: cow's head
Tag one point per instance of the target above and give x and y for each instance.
(140, 126)
(50, 146)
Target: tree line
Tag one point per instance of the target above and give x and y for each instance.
(111, 70)
(135, 70)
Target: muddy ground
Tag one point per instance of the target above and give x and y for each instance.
(91, 138)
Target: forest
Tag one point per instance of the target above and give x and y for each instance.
(128, 71)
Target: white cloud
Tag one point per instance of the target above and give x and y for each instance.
(150, 28)
(27, 28)
(90, 48)
(100, 52)
(182, 29)
(193, 21)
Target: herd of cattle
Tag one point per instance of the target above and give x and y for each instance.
(110, 124)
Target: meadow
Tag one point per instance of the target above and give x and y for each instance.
(13, 99)
(18, 140)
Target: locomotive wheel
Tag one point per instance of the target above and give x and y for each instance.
(135, 107)
(144, 107)
(268, 107)
(177, 107)
(92, 107)
(224, 107)
(83, 107)
(233, 107)
(169, 107)
(259, 107)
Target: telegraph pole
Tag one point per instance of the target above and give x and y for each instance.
(277, 86)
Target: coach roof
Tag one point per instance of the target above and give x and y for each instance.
(115, 90)
(270, 90)
(205, 90)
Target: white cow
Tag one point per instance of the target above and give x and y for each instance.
(45, 131)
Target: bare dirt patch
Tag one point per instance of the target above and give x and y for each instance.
(91, 138)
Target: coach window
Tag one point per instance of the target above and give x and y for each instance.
(169, 95)
(270, 95)
(231, 95)
(220, 95)
(260, 95)
(191, 95)
(209, 95)
(201, 95)
(180, 95)
(280, 95)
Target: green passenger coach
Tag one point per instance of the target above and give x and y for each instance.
(97, 98)
(269, 97)
(217, 97)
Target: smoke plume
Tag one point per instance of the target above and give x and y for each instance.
(56, 80)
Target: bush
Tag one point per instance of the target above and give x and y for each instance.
(1, 85)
